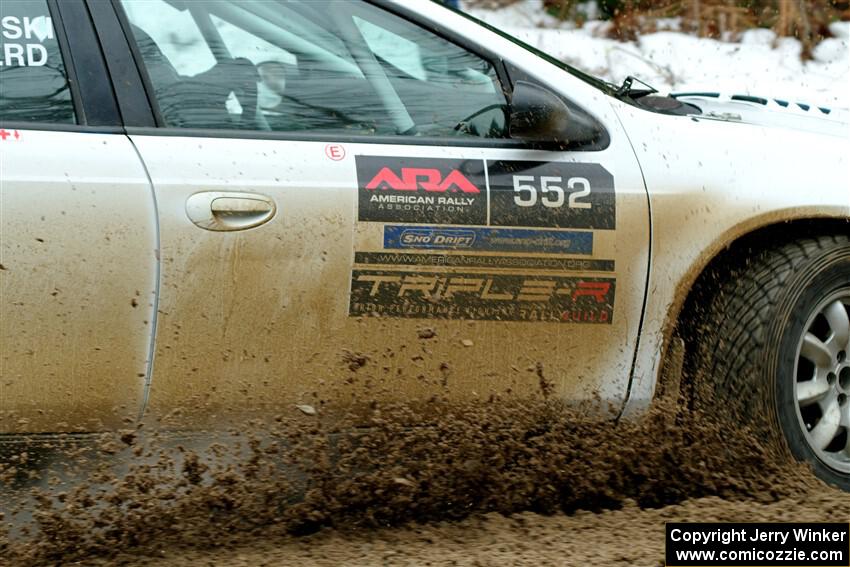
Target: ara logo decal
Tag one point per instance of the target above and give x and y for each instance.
(415, 178)
(431, 190)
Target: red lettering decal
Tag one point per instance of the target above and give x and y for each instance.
(415, 178)
(335, 152)
(457, 179)
(386, 179)
(598, 290)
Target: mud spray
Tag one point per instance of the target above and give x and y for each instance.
(130, 495)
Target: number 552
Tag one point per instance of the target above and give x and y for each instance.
(549, 189)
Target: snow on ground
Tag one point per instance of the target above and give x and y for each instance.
(760, 64)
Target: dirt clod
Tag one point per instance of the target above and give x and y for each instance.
(427, 333)
(354, 360)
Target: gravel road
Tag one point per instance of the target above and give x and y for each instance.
(629, 536)
(495, 482)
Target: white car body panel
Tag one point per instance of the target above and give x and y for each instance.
(259, 318)
(265, 311)
(710, 183)
(78, 289)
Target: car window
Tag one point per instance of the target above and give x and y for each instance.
(33, 82)
(312, 66)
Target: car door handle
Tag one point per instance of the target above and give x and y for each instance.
(226, 210)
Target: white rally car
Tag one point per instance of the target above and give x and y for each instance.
(206, 204)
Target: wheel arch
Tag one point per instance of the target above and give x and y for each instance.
(674, 291)
(727, 254)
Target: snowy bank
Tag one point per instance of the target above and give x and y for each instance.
(760, 64)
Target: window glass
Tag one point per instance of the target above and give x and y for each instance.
(399, 52)
(173, 32)
(33, 82)
(314, 66)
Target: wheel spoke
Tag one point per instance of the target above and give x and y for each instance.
(815, 350)
(839, 322)
(845, 419)
(846, 449)
(845, 423)
(824, 432)
(811, 391)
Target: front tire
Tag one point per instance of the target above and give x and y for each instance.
(773, 352)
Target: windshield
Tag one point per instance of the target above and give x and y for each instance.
(604, 86)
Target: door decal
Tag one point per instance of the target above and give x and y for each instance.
(522, 263)
(551, 194)
(431, 190)
(406, 237)
(487, 297)
(492, 193)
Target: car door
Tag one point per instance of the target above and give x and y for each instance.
(78, 267)
(341, 206)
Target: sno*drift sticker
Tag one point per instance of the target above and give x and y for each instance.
(431, 190)
(486, 297)
(490, 239)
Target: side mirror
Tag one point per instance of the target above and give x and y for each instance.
(539, 115)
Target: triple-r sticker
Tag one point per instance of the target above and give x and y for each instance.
(481, 297)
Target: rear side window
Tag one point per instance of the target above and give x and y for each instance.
(311, 66)
(33, 80)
